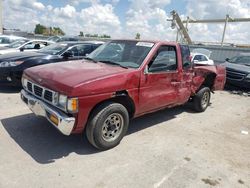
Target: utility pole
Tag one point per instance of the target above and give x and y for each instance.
(176, 22)
(1, 16)
(224, 30)
(226, 20)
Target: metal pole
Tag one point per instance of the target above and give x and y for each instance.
(177, 35)
(224, 31)
(187, 23)
(1, 17)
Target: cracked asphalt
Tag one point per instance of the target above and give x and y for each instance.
(171, 148)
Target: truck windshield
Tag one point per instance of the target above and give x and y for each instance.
(245, 60)
(124, 53)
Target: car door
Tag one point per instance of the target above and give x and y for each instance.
(158, 84)
(79, 51)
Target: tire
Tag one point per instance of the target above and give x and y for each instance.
(202, 99)
(107, 125)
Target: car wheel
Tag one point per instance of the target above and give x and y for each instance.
(107, 126)
(202, 99)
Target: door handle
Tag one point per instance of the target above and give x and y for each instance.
(175, 83)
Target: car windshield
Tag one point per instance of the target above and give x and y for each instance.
(54, 49)
(245, 60)
(17, 43)
(54, 38)
(123, 53)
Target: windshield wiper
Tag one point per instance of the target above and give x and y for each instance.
(114, 63)
(90, 59)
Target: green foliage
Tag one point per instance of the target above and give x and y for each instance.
(81, 34)
(42, 30)
(138, 36)
(97, 36)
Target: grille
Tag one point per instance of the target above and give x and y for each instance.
(235, 75)
(29, 86)
(48, 95)
(40, 92)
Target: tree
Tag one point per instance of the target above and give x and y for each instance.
(58, 31)
(138, 36)
(81, 34)
(105, 36)
(40, 29)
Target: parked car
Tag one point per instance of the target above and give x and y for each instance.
(200, 56)
(238, 70)
(13, 64)
(62, 38)
(8, 39)
(25, 45)
(120, 80)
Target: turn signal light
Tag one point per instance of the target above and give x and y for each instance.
(54, 119)
(73, 105)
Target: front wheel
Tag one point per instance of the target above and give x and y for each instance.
(202, 99)
(107, 126)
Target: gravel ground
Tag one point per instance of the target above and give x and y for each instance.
(171, 148)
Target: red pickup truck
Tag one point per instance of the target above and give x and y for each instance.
(120, 80)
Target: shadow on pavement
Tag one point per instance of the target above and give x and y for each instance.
(41, 141)
(237, 90)
(150, 120)
(45, 144)
(9, 89)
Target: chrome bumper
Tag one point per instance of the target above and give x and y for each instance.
(38, 107)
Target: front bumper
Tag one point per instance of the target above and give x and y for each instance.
(242, 83)
(10, 76)
(64, 123)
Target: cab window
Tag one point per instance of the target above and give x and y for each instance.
(186, 60)
(164, 60)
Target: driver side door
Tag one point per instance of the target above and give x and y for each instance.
(159, 81)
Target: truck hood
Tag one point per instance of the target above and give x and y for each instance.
(238, 67)
(80, 78)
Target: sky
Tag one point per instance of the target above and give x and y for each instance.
(125, 18)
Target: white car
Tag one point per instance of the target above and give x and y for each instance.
(25, 45)
(201, 56)
(8, 39)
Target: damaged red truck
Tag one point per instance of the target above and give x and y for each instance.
(121, 80)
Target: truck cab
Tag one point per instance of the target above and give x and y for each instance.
(120, 80)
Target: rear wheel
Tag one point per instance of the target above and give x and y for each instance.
(202, 99)
(107, 126)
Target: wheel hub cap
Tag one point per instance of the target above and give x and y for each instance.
(112, 127)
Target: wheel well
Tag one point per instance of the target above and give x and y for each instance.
(209, 81)
(121, 97)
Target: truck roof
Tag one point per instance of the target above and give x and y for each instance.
(152, 41)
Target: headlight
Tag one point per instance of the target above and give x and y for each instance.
(10, 63)
(67, 104)
(72, 105)
(62, 101)
(24, 82)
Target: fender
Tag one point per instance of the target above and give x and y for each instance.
(216, 75)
